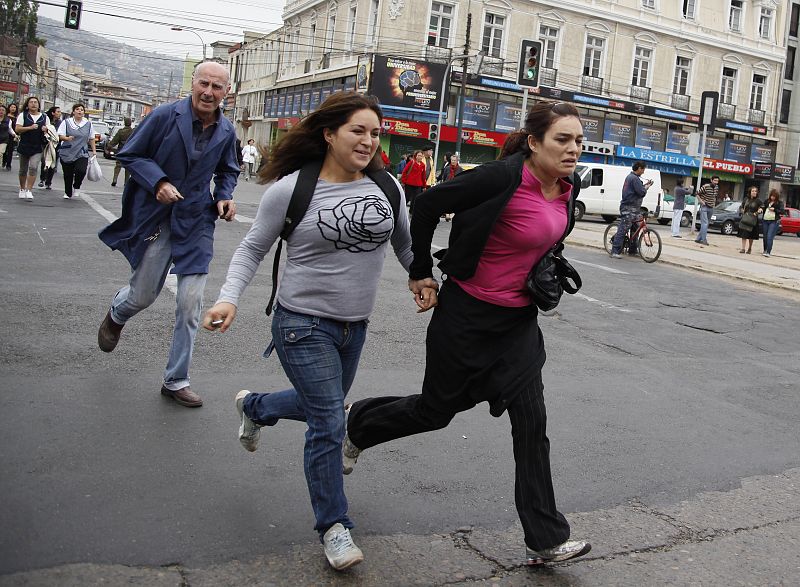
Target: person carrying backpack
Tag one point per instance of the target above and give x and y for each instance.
(350, 211)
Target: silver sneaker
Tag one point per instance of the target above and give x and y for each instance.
(570, 549)
(350, 451)
(616, 256)
(249, 431)
(340, 550)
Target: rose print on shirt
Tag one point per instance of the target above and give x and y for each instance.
(357, 224)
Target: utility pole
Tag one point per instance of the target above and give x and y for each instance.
(23, 45)
(460, 114)
(169, 90)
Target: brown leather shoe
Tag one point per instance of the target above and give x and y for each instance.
(108, 335)
(184, 396)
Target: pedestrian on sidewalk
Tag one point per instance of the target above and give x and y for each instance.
(327, 292)
(249, 153)
(630, 208)
(677, 207)
(483, 341)
(47, 173)
(708, 198)
(773, 210)
(118, 140)
(748, 224)
(77, 140)
(30, 127)
(5, 131)
(169, 215)
(11, 120)
(413, 178)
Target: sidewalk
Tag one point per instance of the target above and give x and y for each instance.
(781, 270)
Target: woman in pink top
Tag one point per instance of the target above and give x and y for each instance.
(484, 342)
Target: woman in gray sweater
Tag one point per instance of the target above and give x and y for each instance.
(320, 321)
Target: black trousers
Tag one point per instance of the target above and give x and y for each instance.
(9, 154)
(46, 175)
(449, 389)
(73, 174)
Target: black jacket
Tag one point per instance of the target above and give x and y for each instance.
(477, 197)
(778, 207)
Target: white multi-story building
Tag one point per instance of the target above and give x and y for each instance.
(635, 68)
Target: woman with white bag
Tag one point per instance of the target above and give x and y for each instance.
(77, 138)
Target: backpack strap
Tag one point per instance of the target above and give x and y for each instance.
(388, 186)
(298, 205)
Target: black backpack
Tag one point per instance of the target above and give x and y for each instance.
(301, 198)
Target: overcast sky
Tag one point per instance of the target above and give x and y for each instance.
(213, 20)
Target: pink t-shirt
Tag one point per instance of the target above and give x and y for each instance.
(528, 227)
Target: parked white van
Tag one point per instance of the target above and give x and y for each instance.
(601, 190)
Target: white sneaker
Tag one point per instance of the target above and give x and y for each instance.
(350, 451)
(28, 195)
(22, 194)
(570, 549)
(66, 197)
(76, 193)
(249, 431)
(340, 550)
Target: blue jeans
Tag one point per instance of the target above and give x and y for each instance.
(320, 356)
(770, 230)
(627, 217)
(705, 215)
(146, 283)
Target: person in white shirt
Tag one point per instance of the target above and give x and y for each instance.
(249, 153)
(77, 139)
(30, 127)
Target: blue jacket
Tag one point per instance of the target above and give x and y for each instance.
(159, 149)
(633, 191)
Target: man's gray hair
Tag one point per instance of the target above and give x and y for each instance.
(211, 62)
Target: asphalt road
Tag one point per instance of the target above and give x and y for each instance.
(660, 384)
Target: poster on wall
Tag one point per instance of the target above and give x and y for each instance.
(409, 84)
(363, 72)
(737, 151)
(715, 147)
(478, 114)
(650, 137)
(592, 128)
(509, 118)
(677, 141)
(618, 133)
(763, 153)
(314, 100)
(281, 104)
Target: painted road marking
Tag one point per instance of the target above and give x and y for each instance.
(603, 267)
(601, 303)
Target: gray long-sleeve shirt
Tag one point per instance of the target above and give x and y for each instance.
(335, 254)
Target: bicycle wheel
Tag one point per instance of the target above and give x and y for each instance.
(649, 246)
(608, 236)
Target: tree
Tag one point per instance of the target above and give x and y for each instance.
(18, 19)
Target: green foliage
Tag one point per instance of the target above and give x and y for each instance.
(18, 19)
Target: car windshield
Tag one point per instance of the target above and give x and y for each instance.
(99, 127)
(728, 206)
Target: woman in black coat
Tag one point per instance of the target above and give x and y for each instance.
(748, 225)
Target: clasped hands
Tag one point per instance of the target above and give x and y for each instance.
(425, 293)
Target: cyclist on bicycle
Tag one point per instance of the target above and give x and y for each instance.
(630, 208)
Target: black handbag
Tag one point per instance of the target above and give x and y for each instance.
(550, 278)
(748, 221)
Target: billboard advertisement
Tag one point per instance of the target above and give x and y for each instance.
(763, 153)
(715, 147)
(650, 137)
(409, 84)
(509, 118)
(677, 141)
(478, 114)
(592, 128)
(737, 151)
(618, 133)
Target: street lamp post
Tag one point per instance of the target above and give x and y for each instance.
(202, 42)
(465, 58)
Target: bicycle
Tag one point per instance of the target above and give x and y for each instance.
(648, 242)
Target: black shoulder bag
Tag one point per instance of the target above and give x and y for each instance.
(553, 275)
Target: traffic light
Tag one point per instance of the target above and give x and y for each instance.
(72, 20)
(433, 131)
(529, 63)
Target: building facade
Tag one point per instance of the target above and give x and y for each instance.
(636, 70)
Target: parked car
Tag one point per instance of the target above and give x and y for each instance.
(790, 223)
(725, 217)
(665, 212)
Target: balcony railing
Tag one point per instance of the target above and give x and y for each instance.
(548, 76)
(681, 101)
(592, 84)
(755, 116)
(640, 93)
(727, 111)
(437, 54)
(492, 66)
